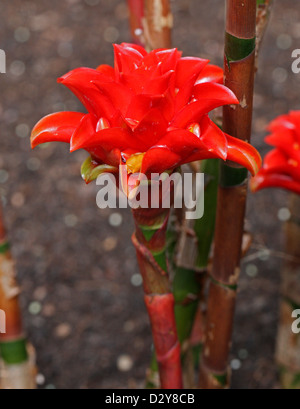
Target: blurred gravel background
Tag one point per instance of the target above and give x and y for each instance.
(82, 296)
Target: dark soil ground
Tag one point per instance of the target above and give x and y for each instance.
(82, 300)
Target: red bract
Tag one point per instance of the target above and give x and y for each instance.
(281, 167)
(150, 112)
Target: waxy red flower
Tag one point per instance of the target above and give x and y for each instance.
(281, 167)
(149, 112)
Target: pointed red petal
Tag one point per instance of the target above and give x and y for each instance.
(295, 118)
(200, 155)
(186, 74)
(119, 95)
(57, 127)
(79, 81)
(287, 142)
(126, 58)
(150, 129)
(179, 145)
(213, 138)
(181, 141)
(188, 68)
(139, 107)
(281, 123)
(211, 73)
(168, 59)
(111, 158)
(135, 81)
(111, 138)
(268, 180)
(136, 47)
(184, 95)
(213, 143)
(159, 159)
(209, 96)
(158, 85)
(107, 70)
(85, 75)
(275, 160)
(281, 138)
(151, 61)
(215, 92)
(244, 154)
(84, 132)
(167, 106)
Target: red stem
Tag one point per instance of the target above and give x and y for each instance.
(150, 243)
(136, 11)
(161, 312)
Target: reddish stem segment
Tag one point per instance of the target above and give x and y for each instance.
(158, 24)
(150, 243)
(161, 312)
(136, 12)
(151, 23)
(241, 21)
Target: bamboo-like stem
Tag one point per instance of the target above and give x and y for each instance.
(151, 23)
(157, 24)
(237, 121)
(288, 343)
(136, 13)
(18, 371)
(151, 245)
(208, 222)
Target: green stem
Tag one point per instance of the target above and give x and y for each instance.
(189, 274)
(205, 227)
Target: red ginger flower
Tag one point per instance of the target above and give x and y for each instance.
(150, 111)
(281, 167)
